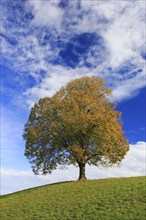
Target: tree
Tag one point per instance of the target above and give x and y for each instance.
(78, 125)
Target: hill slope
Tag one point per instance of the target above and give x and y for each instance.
(118, 198)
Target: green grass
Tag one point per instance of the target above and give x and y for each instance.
(109, 199)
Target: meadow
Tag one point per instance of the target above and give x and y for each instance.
(103, 199)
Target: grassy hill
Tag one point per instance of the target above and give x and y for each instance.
(109, 199)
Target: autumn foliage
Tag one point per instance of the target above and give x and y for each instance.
(78, 125)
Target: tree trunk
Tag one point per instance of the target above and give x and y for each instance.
(82, 171)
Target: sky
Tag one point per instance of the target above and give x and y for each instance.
(44, 45)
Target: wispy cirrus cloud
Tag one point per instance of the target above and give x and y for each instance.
(56, 41)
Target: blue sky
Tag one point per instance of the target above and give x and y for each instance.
(44, 45)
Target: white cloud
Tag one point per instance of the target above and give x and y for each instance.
(133, 165)
(125, 35)
(46, 13)
(128, 88)
(124, 31)
(119, 23)
(108, 9)
(56, 77)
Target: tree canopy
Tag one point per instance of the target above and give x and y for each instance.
(78, 125)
